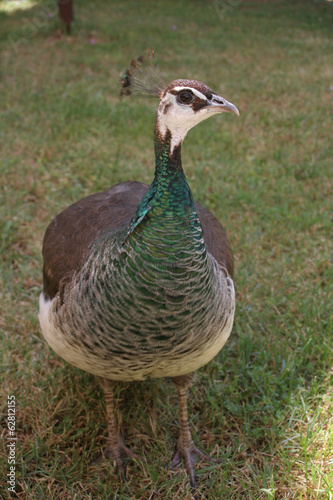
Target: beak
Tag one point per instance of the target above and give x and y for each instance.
(220, 104)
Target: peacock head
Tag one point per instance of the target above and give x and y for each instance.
(183, 103)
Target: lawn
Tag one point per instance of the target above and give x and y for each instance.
(264, 405)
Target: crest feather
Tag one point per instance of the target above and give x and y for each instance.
(143, 78)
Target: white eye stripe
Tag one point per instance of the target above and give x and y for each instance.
(195, 92)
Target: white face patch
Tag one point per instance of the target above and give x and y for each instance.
(178, 118)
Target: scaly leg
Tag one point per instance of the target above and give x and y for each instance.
(115, 448)
(185, 446)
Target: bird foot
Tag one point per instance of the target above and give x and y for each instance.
(190, 454)
(117, 452)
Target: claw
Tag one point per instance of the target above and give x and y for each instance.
(117, 453)
(190, 454)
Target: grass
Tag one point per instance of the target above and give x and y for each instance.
(265, 403)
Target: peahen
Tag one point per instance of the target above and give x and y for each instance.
(137, 279)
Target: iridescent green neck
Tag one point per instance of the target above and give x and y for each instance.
(169, 195)
(170, 185)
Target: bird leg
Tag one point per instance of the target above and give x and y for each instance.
(185, 446)
(115, 447)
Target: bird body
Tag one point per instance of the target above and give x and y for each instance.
(137, 279)
(153, 302)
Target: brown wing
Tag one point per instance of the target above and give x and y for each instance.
(215, 238)
(72, 231)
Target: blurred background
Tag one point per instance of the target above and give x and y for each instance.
(264, 405)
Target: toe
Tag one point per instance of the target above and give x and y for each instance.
(117, 453)
(190, 454)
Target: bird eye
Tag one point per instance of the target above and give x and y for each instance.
(185, 97)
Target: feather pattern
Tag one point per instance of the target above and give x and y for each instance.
(112, 311)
